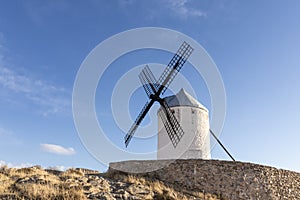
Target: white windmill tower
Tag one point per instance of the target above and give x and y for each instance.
(179, 114)
(194, 120)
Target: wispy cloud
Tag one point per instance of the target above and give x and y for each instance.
(50, 98)
(57, 149)
(4, 131)
(38, 10)
(14, 86)
(126, 2)
(2, 48)
(182, 9)
(8, 137)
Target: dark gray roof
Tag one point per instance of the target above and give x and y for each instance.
(182, 98)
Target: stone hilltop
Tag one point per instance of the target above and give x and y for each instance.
(226, 179)
(181, 179)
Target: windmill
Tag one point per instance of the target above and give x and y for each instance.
(155, 88)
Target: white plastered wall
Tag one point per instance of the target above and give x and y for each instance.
(195, 143)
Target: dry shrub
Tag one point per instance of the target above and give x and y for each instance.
(42, 185)
(160, 190)
(164, 192)
(48, 191)
(201, 195)
(72, 173)
(5, 183)
(134, 180)
(28, 171)
(157, 187)
(114, 175)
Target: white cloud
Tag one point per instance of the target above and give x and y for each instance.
(182, 9)
(57, 149)
(11, 165)
(24, 165)
(59, 168)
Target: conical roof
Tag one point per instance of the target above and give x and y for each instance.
(182, 98)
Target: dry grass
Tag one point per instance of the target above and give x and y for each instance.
(161, 190)
(48, 191)
(73, 173)
(5, 183)
(35, 183)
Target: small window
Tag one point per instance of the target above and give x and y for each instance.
(193, 111)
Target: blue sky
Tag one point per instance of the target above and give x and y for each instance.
(255, 45)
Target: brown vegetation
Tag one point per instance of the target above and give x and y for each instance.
(36, 183)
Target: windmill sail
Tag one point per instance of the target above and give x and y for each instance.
(154, 88)
(174, 67)
(148, 81)
(171, 124)
(137, 122)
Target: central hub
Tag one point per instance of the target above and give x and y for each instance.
(155, 97)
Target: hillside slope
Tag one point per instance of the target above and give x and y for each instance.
(180, 179)
(37, 183)
(228, 179)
